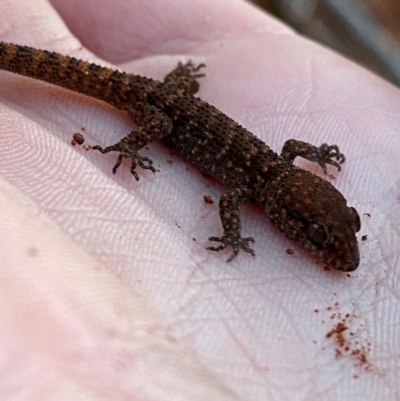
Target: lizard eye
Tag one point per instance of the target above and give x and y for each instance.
(356, 218)
(315, 234)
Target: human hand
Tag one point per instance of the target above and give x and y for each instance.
(105, 291)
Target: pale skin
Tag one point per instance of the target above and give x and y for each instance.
(105, 294)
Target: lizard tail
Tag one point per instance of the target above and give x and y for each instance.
(68, 72)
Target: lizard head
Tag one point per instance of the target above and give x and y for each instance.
(313, 213)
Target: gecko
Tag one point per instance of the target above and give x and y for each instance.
(305, 207)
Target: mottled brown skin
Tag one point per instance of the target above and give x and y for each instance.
(306, 208)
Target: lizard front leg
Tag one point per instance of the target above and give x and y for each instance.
(229, 204)
(152, 124)
(322, 155)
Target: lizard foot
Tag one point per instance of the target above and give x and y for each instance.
(137, 160)
(189, 69)
(185, 76)
(325, 155)
(235, 243)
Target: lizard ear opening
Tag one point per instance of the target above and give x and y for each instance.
(356, 219)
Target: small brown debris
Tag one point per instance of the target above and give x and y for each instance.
(347, 345)
(364, 237)
(77, 139)
(289, 251)
(169, 161)
(338, 331)
(208, 199)
(83, 129)
(367, 214)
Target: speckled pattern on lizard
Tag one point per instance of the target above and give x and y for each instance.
(306, 208)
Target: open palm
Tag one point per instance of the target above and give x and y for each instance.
(107, 289)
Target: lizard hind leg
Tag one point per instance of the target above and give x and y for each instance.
(126, 153)
(185, 77)
(152, 124)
